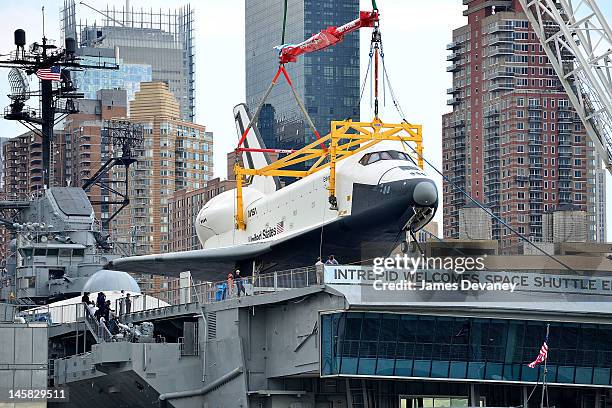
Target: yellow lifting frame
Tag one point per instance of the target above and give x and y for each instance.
(345, 139)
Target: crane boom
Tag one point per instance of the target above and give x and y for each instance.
(327, 37)
(578, 42)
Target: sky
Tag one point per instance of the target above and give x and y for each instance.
(415, 34)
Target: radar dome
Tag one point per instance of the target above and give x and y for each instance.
(105, 280)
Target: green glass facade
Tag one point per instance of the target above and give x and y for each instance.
(462, 348)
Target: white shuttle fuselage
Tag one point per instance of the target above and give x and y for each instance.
(302, 205)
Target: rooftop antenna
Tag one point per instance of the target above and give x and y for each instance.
(43, 21)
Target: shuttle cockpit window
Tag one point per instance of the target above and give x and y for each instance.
(370, 158)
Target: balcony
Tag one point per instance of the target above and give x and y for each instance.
(458, 123)
(521, 178)
(501, 86)
(501, 73)
(453, 90)
(535, 151)
(501, 50)
(535, 176)
(453, 68)
(491, 124)
(535, 208)
(454, 56)
(453, 101)
(535, 164)
(457, 178)
(536, 199)
(491, 113)
(535, 140)
(501, 28)
(491, 147)
(565, 118)
(455, 45)
(532, 107)
(457, 167)
(534, 118)
(501, 39)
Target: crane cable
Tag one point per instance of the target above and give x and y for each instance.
(455, 186)
(285, 22)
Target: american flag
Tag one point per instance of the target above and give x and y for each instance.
(49, 74)
(542, 356)
(280, 227)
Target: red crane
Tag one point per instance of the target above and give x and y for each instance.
(328, 37)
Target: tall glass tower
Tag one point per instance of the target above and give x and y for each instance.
(328, 80)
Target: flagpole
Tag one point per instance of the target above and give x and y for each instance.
(545, 369)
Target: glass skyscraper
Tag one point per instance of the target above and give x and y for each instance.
(327, 80)
(128, 77)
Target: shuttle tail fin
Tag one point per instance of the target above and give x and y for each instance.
(253, 160)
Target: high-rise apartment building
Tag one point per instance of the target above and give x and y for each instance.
(175, 155)
(22, 166)
(327, 81)
(512, 141)
(161, 39)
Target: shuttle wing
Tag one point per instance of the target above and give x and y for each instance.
(207, 264)
(214, 263)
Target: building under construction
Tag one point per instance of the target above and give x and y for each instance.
(161, 39)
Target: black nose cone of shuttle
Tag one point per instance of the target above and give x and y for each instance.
(425, 193)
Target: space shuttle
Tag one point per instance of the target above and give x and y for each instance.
(380, 192)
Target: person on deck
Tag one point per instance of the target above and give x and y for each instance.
(122, 303)
(239, 283)
(100, 300)
(319, 265)
(230, 286)
(331, 261)
(128, 304)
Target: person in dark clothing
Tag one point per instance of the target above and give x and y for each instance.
(107, 310)
(128, 304)
(239, 283)
(100, 300)
(85, 299)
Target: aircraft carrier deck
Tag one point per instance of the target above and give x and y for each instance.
(296, 339)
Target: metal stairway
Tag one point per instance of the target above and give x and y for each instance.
(356, 394)
(100, 333)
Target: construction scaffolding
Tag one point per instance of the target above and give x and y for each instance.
(166, 36)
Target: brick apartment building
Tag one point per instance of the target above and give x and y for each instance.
(512, 141)
(183, 209)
